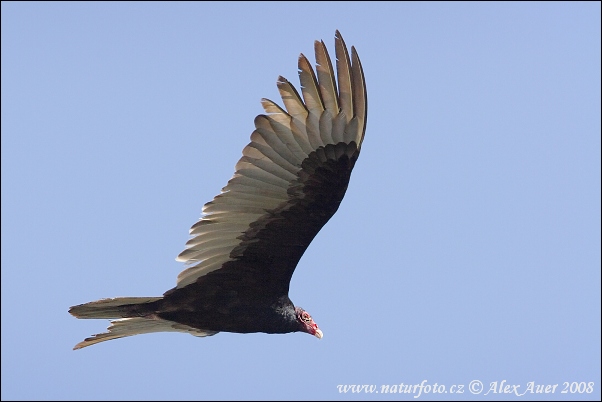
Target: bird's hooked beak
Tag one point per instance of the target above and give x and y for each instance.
(318, 334)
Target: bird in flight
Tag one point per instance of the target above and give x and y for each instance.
(243, 251)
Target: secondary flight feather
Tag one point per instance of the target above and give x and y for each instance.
(243, 251)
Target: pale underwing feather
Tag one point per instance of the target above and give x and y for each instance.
(210, 236)
(326, 127)
(280, 121)
(203, 252)
(210, 224)
(338, 128)
(269, 166)
(224, 208)
(344, 76)
(216, 242)
(312, 126)
(351, 133)
(250, 181)
(309, 85)
(292, 102)
(300, 133)
(250, 200)
(274, 140)
(201, 227)
(240, 188)
(360, 103)
(190, 275)
(325, 73)
(264, 149)
(254, 172)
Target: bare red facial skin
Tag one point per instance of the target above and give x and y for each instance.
(308, 323)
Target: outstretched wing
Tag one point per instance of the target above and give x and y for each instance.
(289, 182)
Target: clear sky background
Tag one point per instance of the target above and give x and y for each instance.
(467, 246)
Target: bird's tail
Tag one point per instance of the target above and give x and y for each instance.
(136, 315)
(119, 307)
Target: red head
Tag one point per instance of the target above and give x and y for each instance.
(307, 324)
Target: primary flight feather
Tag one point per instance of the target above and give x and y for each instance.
(244, 249)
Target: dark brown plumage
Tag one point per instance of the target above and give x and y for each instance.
(244, 250)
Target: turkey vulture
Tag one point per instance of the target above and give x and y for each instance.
(287, 185)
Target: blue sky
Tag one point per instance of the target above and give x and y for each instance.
(467, 247)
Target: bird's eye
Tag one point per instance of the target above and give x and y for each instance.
(306, 317)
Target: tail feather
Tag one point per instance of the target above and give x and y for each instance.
(139, 325)
(135, 315)
(119, 307)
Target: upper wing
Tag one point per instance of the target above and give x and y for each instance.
(289, 182)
